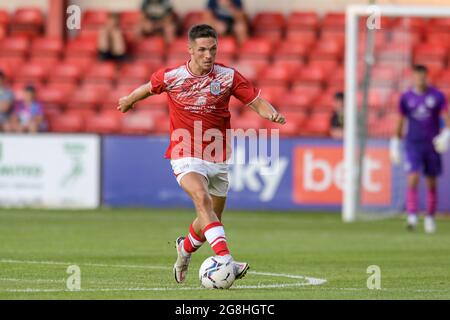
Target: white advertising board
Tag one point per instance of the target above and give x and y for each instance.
(47, 170)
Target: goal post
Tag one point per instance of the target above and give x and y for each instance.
(351, 188)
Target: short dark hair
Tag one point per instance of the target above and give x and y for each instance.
(201, 31)
(339, 96)
(2, 75)
(420, 68)
(30, 88)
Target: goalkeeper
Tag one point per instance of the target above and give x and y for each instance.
(421, 106)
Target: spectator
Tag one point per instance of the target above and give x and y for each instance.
(6, 101)
(111, 41)
(27, 115)
(228, 17)
(337, 119)
(158, 17)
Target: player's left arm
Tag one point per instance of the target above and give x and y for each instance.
(267, 111)
(442, 140)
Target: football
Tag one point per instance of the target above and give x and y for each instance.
(215, 274)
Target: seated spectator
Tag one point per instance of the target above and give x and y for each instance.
(27, 115)
(158, 17)
(111, 41)
(337, 119)
(228, 17)
(6, 101)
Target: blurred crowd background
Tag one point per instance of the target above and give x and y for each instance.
(60, 80)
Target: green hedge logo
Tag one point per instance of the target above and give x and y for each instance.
(75, 152)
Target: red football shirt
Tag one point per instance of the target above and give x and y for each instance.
(198, 108)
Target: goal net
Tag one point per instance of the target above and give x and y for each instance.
(382, 43)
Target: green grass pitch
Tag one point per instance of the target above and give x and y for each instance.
(128, 254)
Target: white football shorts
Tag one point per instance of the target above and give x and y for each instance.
(215, 173)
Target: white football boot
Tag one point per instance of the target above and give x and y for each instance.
(240, 268)
(412, 222)
(429, 224)
(180, 268)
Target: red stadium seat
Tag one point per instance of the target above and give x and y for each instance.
(51, 97)
(414, 24)
(94, 19)
(46, 47)
(48, 62)
(312, 75)
(59, 92)
(318, 124)
(395, 52)
(227, 47)
(83, 113)
(31, 72)
(269, 25)
(297, 101)
(439, 25)
(251, 68)
(292, 50)
(443, 79)
(65, 72)
(138, 122)
(162, 125)
(431, 51)
(191, 18)
(256, 48)
(157, 101)
(135, 73)
(178, 47)
(27, 22)
(105, 123)
(273, 92)
(441, 39)
(83, 63)
(294, 122)
(329, 49)
(279, 74)
(4, 18)
(151, 48)
(66, 123)
(333, 21)
(14, 47)
(306, 20)
(307, 38)
(129, 19)
(325, 101)
(101, 72)
(81, 47)
(86, 97)
(248, 120)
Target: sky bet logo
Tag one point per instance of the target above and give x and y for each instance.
(319, 176)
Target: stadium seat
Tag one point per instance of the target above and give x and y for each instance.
(269, 25)
(405, 36)
(151, 48)
(333, 21)
(395, 52)
(52, 97)
(324, 62)
(296, 102)
(48, 62)
(81, 47)
(48, 47)
(414, 24)
(94, 19)
(16, 47)
(307, 38)
(134, 73)
(312, 75)
(443, 78)
(162, 125)
(87, 97)
(294, 122)
(383, 76)
(191, 18)
(58, 92)
(178, 47)
(441, 39)
(31, 72)
(227, 47)
(255, 48)
(291, 50)
(101, 72)
(247, 120)
(279, 74)
(439, 25)
(303, 20)
(104, 123)
(138, 122)
(27, 21)
(251, 68)
(329, 49)
(318, 124)
(65, 72)
(129, 19)
(66, 123)
(157, 101)
(273, 92)
(83, 63)
(325, 101)
(431, 51)
(4, 17)
(83, 113)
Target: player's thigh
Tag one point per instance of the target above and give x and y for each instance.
(194, 184)
(432, 164)
(413, 158)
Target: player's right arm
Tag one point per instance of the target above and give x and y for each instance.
(126, 103)
(394, 143)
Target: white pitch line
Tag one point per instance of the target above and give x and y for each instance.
(309, 280)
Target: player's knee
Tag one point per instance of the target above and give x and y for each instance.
(202, 198)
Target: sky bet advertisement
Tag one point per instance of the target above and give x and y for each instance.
(303, 174)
